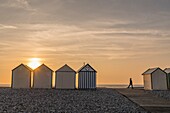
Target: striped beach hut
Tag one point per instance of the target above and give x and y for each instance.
(87, 77)
(155, 79)
(21, 77)
(42, 77)
(65, 78)
(167, 70)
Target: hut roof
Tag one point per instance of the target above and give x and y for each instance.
(65, 68)
(27, 67)
(44, 66)
(167, 70)
(151, 70)
(85, 67)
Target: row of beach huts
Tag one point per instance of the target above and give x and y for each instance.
(65, 77)
(156, 79)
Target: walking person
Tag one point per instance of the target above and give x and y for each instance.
(130, 83)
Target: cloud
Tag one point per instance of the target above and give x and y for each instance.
(57, 40)
(21, 4)
(7, 27)
(112, 29)
(83, 13)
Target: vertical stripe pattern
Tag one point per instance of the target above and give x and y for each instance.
(87, 80)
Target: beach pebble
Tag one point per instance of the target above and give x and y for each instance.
(65, 101)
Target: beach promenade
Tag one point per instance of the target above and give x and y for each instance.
(148, 101)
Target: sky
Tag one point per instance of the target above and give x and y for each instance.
(119, 38)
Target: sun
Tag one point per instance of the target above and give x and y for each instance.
(34, 63)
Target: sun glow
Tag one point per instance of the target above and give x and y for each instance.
(34, 62)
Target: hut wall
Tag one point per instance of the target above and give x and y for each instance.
(159, 80)
(168, 80)
(21, 78)
(147, 82)
(65, 80)
(87, 80)
(42, 79)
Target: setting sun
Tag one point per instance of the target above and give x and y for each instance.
(34, 62)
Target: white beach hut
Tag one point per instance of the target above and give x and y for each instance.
(87, 77)
(65, 78)
(155, 79)
(21, 77)
(42, 77)
(167, 70)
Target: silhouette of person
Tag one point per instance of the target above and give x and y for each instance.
(130, 84)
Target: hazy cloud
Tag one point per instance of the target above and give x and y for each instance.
(7, 27)
(112, 29)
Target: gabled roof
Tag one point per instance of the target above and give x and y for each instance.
(85, 66)
(43, 65)
(27, 67)
(167, 70)
(65, 68)
(151, 70)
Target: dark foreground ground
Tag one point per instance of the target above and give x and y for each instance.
(161, 93)
(153, 101)
(65, 101)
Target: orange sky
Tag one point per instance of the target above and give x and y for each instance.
(120, 39)
(109, 71)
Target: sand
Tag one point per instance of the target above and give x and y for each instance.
(68, 101)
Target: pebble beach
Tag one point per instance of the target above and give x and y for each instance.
(102, 100)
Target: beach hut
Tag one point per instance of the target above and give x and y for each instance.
(65, 78)
(155, 79)
(42, 77)
(167, 70)
(21, 77)
(87, 77)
